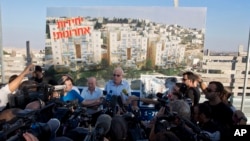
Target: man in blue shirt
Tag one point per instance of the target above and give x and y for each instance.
(118, 86)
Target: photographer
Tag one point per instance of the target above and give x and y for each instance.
(202, 116)
(191, 81)
(12, 86)
(176, 119)
(37, 75)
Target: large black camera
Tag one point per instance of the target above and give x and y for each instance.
(185, 129)
(26, 122)
(26, 95)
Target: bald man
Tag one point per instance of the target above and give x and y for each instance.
(92, 94)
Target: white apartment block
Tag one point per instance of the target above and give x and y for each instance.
(126, 46)
(229, 69)
(158, 54)
(17, 61)
(129, 44)
(82, 49)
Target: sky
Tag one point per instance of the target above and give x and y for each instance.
(227, 21)
(186, 17)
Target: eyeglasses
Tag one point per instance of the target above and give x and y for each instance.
(209, 90)
(116, 75)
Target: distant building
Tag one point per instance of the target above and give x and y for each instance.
(15, 61)
(227, 68)
(130, 43)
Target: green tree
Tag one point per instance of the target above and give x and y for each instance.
(131, 73)
(149, 65)
(98, 25)
(5, 53)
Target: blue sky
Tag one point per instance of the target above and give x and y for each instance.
(227, 21)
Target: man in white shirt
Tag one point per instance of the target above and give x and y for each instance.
(12, 86)
(92, 94)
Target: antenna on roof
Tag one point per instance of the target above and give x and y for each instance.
(176, 3)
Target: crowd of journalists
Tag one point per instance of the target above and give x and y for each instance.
(46, 109)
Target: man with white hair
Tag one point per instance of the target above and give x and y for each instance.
(118, 86)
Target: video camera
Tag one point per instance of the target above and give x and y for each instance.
(185, 129)
(26, 122)
(78, 118)
(26, 95)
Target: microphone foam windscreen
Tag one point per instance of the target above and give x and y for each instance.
(103, 121)
(54, 124)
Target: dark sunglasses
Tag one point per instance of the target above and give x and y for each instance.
(117, 75)
(209, 90)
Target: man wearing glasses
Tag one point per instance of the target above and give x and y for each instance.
(117, 86)
(221, 113)
(190, 80)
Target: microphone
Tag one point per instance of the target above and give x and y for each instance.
(59, 87)
(113, 101)
(54, 125)
(102, 125)
(43, 131)
(119, 101)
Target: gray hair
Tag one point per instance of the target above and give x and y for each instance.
(181, 108)
(118, 69)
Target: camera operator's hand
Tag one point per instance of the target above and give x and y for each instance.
(29, 137)
(131, 99)
(29, 69)
(152, 134)
(161, 112)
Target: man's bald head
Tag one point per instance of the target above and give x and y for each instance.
(91, 83)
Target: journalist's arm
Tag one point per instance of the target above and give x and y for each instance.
(12, 86)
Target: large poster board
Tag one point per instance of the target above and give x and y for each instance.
(84, 37)
(88, 38)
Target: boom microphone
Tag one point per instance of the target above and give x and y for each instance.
(53, 124)
(43, 131)
(103, 124)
